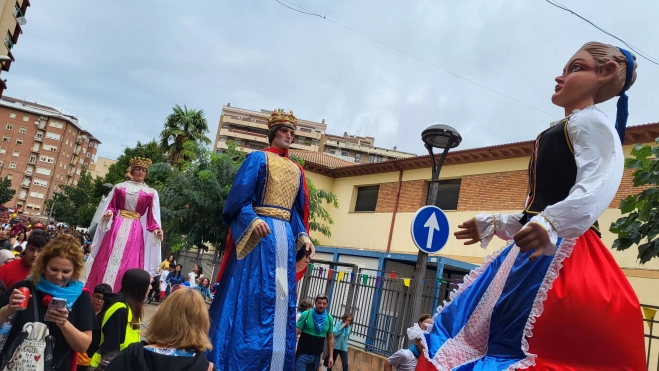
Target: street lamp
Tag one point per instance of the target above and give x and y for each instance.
(435, 136)
(55, 194)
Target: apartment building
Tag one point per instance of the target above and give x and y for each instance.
(41, 149)
(361, 150)
(101, 167)
(12, 19)
(249, 130)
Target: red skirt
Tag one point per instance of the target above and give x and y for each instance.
(591, 320)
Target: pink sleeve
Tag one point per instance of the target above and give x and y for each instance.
(151, 223)
(113, 205)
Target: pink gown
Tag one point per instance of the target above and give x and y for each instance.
(126, 241)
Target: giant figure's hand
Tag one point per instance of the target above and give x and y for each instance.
(532, 237)
(310, 247)
(158, 233)
(107, 215)
(262, 229)
(469, 231)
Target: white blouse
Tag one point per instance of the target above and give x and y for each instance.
(600, 165)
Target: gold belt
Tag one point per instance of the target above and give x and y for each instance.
(129, 214)
(273, 212)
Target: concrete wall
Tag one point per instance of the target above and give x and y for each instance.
(362, 361)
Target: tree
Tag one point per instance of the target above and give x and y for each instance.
(641, 225)
(193, 199)
(6, 193)
(76, 204)
(150, 150)
(181, 126)
(317, 212)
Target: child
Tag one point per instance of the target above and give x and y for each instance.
(555, 299)
(163, 282)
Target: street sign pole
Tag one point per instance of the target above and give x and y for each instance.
(416, 292)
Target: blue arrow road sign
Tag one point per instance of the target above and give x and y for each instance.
(430, 229)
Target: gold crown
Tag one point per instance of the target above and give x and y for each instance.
(140, 162)
(279, 117)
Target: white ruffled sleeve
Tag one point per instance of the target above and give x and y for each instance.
(600, 164)
(503, 226)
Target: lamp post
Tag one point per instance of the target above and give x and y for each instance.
(435, 136)
(50, 214)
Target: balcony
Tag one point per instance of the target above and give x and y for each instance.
(41, 125)
(34, 150)
(32, 161)
(38, 138)
(22, 197)
(79, 140)
(28, 173)
(25, 185)
(76, 151)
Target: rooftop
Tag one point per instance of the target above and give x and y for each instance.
(321, 159)
(635, 134)
(42, 110)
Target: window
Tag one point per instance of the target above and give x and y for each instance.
(19, 141)
(78, 171)
(40, 183)
(80, 161)
(448, 194)
(33, 194)
(333, 151)
(39, 135)
(22, 130)
(47, 159)
(345, 153)
(37, 207)
(3, 150)
(10, 176)
(56, 124)
(53, 136)
(371, 158)
(48, 147)
(67, 141)
(43, 170)
(26, 118)
(9, 127)
(16, 153)
(12, 165)
(367, 198)
(5, 138)
(12, 115)
(358, 157)
(60, 164)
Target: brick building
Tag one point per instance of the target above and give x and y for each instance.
(377, 202)
(41, 149)
(12, 14)
(249, 130)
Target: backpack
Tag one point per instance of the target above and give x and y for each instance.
(33, 348)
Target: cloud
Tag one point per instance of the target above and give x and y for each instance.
(121, 67)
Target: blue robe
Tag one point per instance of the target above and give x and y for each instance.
(253, 313)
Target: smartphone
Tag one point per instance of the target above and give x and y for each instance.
(57, 303)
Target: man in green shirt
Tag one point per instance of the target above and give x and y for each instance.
(313, 327)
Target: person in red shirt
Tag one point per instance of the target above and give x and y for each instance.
(19, 269)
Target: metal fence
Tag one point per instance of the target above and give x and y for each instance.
(378, 302)
(650, 335)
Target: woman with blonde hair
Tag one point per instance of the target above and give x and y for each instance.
(55, 274)
(176, 338)
(555, 299)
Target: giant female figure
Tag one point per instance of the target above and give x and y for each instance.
(129, 233)
(253, 313)
(555, 299)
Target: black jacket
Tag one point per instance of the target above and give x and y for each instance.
(136, 358)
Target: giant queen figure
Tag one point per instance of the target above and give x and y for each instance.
(253, 313)
(129, 233)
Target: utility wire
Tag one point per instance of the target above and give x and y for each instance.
(302, 10)
(639, 52)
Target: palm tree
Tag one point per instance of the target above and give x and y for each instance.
(181, 126)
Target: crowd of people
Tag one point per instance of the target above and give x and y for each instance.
(43, 299)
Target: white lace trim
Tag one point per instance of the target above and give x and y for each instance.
(117, 254)
(564, 252)
(134, 187)
(469, 279)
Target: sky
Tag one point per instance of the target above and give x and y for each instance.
(121, 66)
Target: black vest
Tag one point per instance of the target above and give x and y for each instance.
(552, 171)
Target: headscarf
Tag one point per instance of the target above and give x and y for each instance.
(623, 102)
